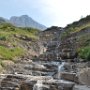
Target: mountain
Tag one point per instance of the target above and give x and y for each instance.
(26, 21)
(2, 20)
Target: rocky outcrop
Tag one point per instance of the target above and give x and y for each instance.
(49, 85)
(50, 39)
(69, 76)
(13, 82)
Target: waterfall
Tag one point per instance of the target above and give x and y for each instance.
(38, 85)
(60, 69)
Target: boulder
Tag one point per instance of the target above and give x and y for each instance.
(8, 66)
(84, 76)
(69, 76)
(7, 63)
(81, 87)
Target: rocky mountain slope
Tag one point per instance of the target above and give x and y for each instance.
(70, 42)
(24, 21)
(52, 44)
(51, 59)
(77, 36)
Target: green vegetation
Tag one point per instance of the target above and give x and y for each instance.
(10, 54)
(84, 40)
(7, 29)
(84, 53)
(76, 27)
(12, 39)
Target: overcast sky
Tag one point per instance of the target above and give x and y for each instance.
(47, 12)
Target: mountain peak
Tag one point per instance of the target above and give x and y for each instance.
(26, 21)
(24, 16)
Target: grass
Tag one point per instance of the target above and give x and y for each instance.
(10, 54)
(77, 26)
(7, 30)
(84, 40)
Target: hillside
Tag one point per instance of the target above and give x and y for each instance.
(77, 36)
(17, 43)
(70, 42)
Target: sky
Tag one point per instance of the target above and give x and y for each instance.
(47, 12)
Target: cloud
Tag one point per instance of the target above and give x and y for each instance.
(63, 12)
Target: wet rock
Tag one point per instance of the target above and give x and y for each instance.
(65, 85)
(81, 87)
(67, 67)
(48, 84)
(69, 76)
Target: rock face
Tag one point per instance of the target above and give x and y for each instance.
(14, 82)
(84, 76)
(11, 82)
(49, 85)
(26, 21)
(28, 73)
(51, 40)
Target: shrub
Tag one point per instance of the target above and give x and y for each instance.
(84, 53)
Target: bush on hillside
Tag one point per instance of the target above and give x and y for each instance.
(84, 53)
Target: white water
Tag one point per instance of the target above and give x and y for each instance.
(38, 85)
(60, 69)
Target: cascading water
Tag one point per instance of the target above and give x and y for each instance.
(38, 85)
(60, 69)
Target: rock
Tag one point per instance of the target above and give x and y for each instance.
(1, 68)
(82, 65)
(27, 86)
(81, 87)
(8, 66)
(7, 63)
(67, 67)
(88, 64)
(69, 76)
(12, 81)
(51, 84)
(84, 76)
